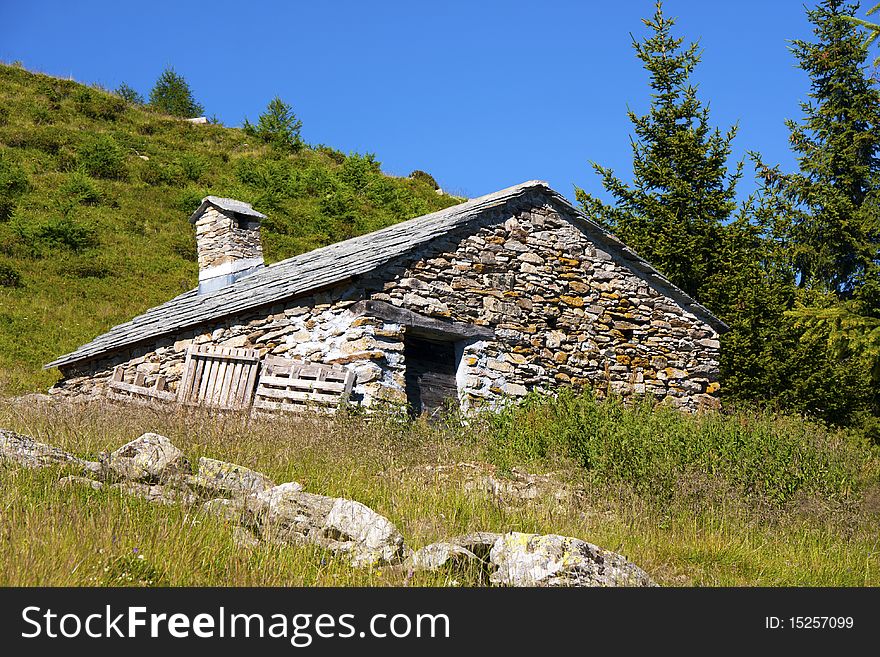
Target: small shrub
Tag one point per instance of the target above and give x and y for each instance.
(13, 184)
(425, 177)
(335, 156)
(192, 166)
(81, 190)
(98, 105)
(129, 95)
(66, 232)
(9, 276)
(189, 199)
(48, 139)
(102, 157)
(41, 116)
(4, 116)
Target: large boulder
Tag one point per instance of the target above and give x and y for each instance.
(554, 560)
(371, 538)
(290, 515)
(27, 452)
(149, 458)
(224, 478)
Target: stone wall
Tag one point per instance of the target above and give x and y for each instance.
(222, 240)
(564, 313)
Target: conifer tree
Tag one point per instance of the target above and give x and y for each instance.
(834, 197)
(682, 192)
(277, 126)
(171, 94)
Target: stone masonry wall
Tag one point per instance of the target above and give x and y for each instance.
(221, 240)
(564, 313)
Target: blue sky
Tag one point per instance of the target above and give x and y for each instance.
(480, 94)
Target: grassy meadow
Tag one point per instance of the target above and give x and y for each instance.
(671, 493)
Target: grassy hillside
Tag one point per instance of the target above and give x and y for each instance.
(94, 199)
(729, 500)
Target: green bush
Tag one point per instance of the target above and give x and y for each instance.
(660, 451)
(425, 177)
(68, 233)
(101, 157)
(13, 184)
(48, 139)
(98, 105)
(4, 115)
(129, 95)
(81, 190)
(9, 276)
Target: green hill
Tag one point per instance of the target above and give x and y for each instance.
(94, 199)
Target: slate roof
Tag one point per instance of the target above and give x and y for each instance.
(228, 204)
(334, 263)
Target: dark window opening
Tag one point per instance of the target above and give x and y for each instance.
(430, 375)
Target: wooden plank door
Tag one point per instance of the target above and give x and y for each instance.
(218, 377)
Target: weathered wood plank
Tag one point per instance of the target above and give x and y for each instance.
(305, 384)
(296, 395)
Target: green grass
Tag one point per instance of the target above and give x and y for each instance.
(94, 200)
(709, 531)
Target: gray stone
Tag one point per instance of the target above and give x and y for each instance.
(438, 555)
(228, 478)
(554, 560)
(150, 458)
(29, 453)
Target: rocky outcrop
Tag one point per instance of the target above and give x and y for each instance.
(223, 478)
(553, 560)
(152, 468)
(291, 515)
(27, 452)
(517, 559)
(148, 458)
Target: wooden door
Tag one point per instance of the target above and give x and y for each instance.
(219, 377)
(430, 374)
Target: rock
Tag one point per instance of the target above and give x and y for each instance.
(374, 538)
(27, 452)
(437, 555)
(478, 543)
(554, 560)
(293, 516)
(227, 478)
(155, 492)
(149, 458)
(73, 480)
(247, 510)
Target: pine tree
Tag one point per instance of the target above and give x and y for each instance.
(172, 95)
(277, 126)
(682, 192)
(834, 198)
(129, 94)
(872, 28)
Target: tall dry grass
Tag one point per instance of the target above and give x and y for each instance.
(709, 528)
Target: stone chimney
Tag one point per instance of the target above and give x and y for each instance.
(228, 241)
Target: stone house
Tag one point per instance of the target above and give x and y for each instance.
(503, 294)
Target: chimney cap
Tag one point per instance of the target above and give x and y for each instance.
(228, 204)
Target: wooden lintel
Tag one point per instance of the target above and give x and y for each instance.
(422, 325)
